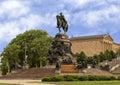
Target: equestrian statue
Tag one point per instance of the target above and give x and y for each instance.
(62, 23)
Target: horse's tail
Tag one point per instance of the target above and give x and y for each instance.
(66, 27)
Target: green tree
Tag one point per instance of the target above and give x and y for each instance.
(118, 52)
(96, 58)
(33, 43)
(40, 46)
(102, 57)
(107, 55)
(113, 54)
(11, 55)
(82, 59)
(4, 67)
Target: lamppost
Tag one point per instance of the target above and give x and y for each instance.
(25, 65)
(25, 54)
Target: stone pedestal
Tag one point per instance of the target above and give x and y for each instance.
(57, 71)
(61, 50)
(26, 67)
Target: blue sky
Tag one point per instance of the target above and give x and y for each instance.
(85, 17)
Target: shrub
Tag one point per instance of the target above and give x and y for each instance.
(83, 78)
(69, 78)
(57, 78)
(106, 78)
(46, 79)
(79, 78)
(4, 69)
(93, 78)
(118, 78)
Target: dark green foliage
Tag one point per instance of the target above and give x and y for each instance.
(83, 78)
(69, 78)
(118, 77)
(96, 58)
(113, 54)
(118, 52)
(33, 43)
(90, 60)
(92, 78)
(4, 69)
(57, 78)
(80, 78)
(107, 55)
(82, 59)
(102, 57)
(46, 79)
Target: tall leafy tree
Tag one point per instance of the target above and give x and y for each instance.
(33, 43)
(10, 57)
(108, 55)
(102, 57)
(82, 59)
(118, 52)
(113, 54)
(96, 58)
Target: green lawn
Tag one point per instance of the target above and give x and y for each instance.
(86, 83)
(6, 84)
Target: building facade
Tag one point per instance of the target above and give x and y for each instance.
(94, 44)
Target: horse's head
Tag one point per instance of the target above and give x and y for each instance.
(57, 16)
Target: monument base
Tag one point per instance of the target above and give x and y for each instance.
(57, 71)
(25, 67)
(61, 50)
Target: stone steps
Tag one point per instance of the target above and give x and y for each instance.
(68, 69)
(32, 73)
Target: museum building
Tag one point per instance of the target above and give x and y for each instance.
(93, 44)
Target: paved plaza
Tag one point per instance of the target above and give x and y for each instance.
(23, 82)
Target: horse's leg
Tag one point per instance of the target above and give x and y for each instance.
(59, 30)
(64, 30)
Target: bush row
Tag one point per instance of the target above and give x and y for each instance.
(80, 78)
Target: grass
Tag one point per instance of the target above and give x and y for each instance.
(6, 84)
(86, 83)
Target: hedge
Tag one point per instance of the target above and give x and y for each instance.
(80, 78)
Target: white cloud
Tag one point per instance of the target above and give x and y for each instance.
(32, 21)
(110, 14)
(8, 31)
(95, 16)
(18, 16)
(84, 3)
(77, 3)
(13, 8)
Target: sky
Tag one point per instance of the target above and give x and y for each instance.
(84, 17)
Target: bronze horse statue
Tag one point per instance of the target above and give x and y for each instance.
(62, 23)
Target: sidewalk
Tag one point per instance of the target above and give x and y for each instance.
(23, 82)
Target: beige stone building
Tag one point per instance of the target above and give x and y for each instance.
(93, 44)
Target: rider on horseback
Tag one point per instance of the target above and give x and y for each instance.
(61, 22)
